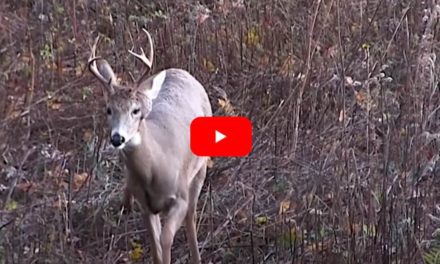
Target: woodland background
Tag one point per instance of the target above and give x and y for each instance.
(343, 96)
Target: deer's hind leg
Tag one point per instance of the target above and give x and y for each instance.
(190, 219)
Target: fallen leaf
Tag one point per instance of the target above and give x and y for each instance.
(79, 69)
(252, 37)
(202, 18)
(261, 220)
(264, 62)
(369, 230)
(209, 66)
(363, 100)
(57, 204)
(321, 245)
(349, 80)
(79, 180)
(24, 186)
(242, 220)
(332, 51)
(88, 135)
(284, 207)
(366, 46)
(287, 66)
(53, 104)
(342, 116)
(137, 252)
(314, 211)
(403, 132)
(11, 205)
(13, 114)
(12, 110)
(52, 66)
(242, 216)
(25, 59)
(360, 97)
(226, 106)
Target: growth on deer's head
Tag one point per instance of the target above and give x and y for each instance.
(126, 105)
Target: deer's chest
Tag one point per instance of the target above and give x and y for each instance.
(152, 189)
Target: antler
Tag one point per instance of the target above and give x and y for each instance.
(142, 57)
(93, 67)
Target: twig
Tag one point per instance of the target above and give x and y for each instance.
(17, 174)
(6, 224)
(26, 112)
(310, 52)
(405, 13)
(225, 223)
(30, 94)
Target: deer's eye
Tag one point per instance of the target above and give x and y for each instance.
(136, 111)
(109, 111)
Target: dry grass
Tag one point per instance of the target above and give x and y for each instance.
(344, 100)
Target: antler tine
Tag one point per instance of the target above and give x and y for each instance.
(93, 51)
(142, 57)
(150, 43)
(92, 63)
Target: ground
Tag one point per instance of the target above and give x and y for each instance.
(343, 96)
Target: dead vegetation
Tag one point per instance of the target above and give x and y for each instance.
(344, 100)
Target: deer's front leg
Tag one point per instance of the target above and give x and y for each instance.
(154, 230)
(176, 215)
(126, 200)
(152, 221)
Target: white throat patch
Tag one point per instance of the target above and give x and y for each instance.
(136, 140)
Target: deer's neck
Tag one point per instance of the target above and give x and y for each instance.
(138, 152)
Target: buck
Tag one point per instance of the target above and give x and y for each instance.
(150, 125)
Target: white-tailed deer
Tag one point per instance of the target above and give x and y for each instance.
(150, 125)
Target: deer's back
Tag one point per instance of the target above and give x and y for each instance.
(181, 99)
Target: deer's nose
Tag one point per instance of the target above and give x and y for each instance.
(117, 140)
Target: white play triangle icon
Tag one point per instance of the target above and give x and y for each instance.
(219, 136)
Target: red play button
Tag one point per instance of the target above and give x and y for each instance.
(221, 136)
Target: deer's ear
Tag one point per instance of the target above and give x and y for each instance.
(108, 75)
(152, 86)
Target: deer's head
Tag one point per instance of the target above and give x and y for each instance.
(126, 106)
